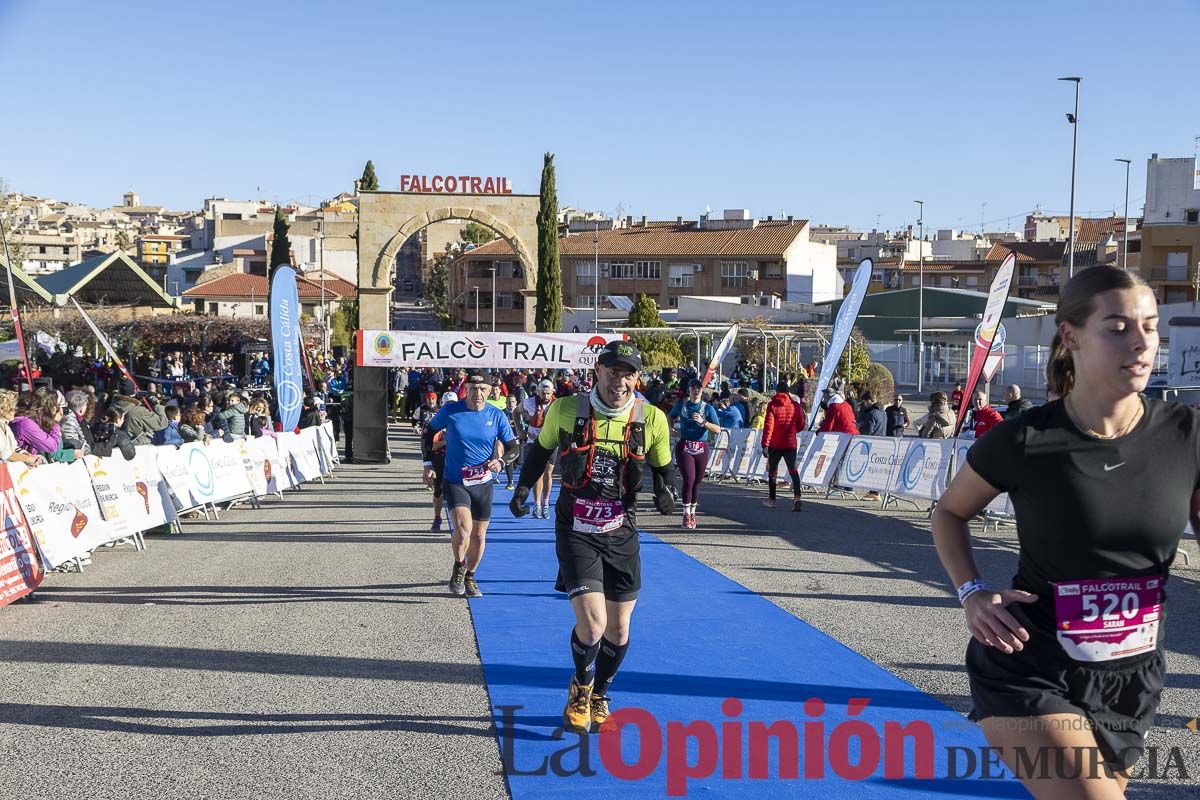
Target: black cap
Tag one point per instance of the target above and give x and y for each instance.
(694, 383)
(478, 377)
(621, 352)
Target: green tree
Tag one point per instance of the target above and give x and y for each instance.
(476, 234)
(548, 315)
(437, 287)
(658, 349)
(368, 181)
(855, 360)
(281, 246)
(343, 323)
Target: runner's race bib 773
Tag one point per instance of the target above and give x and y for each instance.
(476, 475)
(693, 448)
(597, 516)
(1108, 618)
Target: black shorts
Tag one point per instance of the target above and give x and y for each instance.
(1118, 698)
(439, 475)
(477, 498)
(599, 563)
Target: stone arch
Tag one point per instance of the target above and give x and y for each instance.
(386, 261)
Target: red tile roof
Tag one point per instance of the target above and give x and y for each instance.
(767, 239)
(1027, 251)
(242, 285)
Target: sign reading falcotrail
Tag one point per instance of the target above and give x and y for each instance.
(576, 351)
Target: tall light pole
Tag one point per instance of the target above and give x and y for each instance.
(476, 288)
(1125, 230)
(596, 304)
(493, 270)
(921, 297)
(1074, 120)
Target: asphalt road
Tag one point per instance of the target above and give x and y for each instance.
(308, 649)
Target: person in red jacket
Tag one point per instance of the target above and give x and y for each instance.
(839, 416)
(986, 417)
(784, 420)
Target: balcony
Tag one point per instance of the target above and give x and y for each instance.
(1046, 290)
(1169, 275)
(1027, 280)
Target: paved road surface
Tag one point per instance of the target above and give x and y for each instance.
(308, 649)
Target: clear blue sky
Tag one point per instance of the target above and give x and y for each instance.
(838, 112)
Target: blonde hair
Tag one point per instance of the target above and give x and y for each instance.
(1076, 303)
(8, 402)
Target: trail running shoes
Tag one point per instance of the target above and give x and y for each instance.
(577, 716)
(457, 580)
(600, 712)
(471, 587)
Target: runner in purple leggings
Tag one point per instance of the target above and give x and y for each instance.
(696, 420)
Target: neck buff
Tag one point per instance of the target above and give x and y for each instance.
(600, 408)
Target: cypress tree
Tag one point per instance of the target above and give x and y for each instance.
(368, 181)
(281, 246)
(548, 315)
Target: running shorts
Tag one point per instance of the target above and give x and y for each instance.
(1118, 698)
(476, 498)
(606, 563)
(439, 470)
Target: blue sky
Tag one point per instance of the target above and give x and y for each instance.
(838, 112)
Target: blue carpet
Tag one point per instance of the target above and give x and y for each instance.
(697, 639)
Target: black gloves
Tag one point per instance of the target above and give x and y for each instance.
(664, 498)
(766, 451)
(517, 504)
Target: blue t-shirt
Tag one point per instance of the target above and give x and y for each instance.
(731, 417)
(470, 435)
(688, 429)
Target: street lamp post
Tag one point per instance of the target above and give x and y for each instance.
(920, 296)
(1125, 230)
(1074, 120)
(596, 303)
(493, 270)
(476, 288)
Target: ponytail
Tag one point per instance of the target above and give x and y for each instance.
(1060, 369)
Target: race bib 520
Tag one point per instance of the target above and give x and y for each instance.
(1108, 618)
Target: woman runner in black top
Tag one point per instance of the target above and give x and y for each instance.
(1066, 667)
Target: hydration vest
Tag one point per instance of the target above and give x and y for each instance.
(577, 454)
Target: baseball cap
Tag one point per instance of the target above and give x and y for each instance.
(545, 384)
(449, 397)
(478, 377)
(624, 353)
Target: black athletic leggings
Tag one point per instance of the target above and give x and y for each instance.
(691, 467)
(789, 458)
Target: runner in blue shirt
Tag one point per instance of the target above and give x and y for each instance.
(473, 429)
(696, 420)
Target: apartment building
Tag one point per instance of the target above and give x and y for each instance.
(1170, 235)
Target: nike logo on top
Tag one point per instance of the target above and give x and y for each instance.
(1107, 468)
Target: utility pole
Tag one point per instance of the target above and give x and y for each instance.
(596, 304)
(921, 297)
(1125, 230)
(493, 269)
(1074, 120)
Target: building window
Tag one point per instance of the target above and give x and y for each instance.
(66, 251)
(622, 269)
(308, 308)
(584, 301)
(673, 302)
(734, 273)
(212, 308)
(681, 276)
(585, 273)
(972, 280)
(773, 269)
(42, 249)
(1192, 216)
(649, 270)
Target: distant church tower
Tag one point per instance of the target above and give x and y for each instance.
(131, 200)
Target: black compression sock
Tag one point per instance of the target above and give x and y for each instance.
(585, 659)
(607, 664)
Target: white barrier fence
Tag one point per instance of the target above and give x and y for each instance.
(907, 467)
(68, 510)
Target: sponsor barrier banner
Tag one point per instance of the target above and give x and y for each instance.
(493, 350)
(303, 450)
(1002, 505)
(923, 468)
(120, 505)
(159, 507)
(20, 572)
(60, 506)
(870, 462)
(985, 332)
(229, 472)
(821, 460)
(257, 468)
(843, 326)
(177, 474)
(326, 447)
(287, 370)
